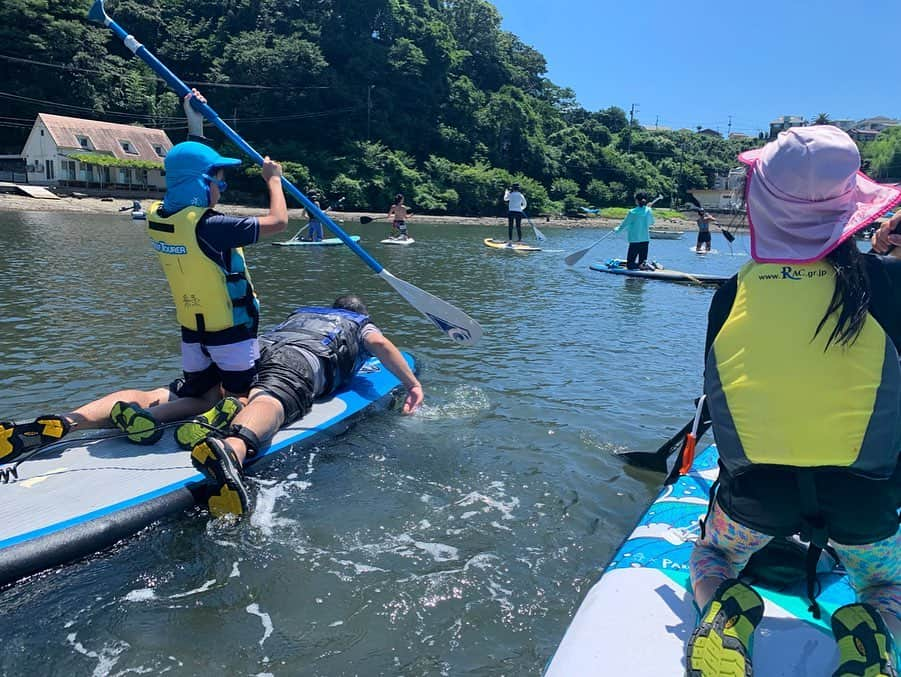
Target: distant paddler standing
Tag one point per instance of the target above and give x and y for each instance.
(201, 254)
(637, 225)
(398, 215)
(516, 206)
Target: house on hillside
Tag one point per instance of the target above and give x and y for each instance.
(710, 132)
(87, 153)
(877, 124)
(784, 122)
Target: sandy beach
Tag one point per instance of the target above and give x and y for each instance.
(93, 205)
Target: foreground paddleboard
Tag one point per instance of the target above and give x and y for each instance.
(703, 251)
(510, 246)
(77, 500)
(637, 618)
(398, 241)
(615, 268)
(328, 242)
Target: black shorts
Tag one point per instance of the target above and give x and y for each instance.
(857, 510)
(704, 236)
(284, 373)
(197, 383)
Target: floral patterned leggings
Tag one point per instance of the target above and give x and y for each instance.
(874, 570)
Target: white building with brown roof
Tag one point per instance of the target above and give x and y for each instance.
(93, 154)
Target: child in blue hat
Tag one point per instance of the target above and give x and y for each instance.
(201, 253)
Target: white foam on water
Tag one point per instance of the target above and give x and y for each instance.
(203, 588)
(474, 498)
(236, 572)
(310, 460)
(141, 595)
(264, 516)
(483, 561)
(336, 624)
(439, 551)
(106, 658)
(264, 617)
(358, 568)
(465, 401)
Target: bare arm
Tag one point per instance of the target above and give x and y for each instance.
(391, 357)
(277, 218)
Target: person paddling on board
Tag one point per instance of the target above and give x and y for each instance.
(704, 221)
(516, 207)
(637, 225)
(314, 225)
(803, 386)
(313, 353)
(201, 254)
(318, 351)
(398, 214)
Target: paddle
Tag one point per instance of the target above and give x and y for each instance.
(575, 257)
(452, 321)
(538, 234)
(730, 238)
(370, 219)
(657, 460)
(297, 234)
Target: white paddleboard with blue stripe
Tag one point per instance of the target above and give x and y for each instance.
(77, 499)
(636, 619)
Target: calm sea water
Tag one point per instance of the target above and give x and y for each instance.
(458, 541)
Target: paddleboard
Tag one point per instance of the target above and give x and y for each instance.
(703, 251)
(637, 618)
(398, 240)
(510, 246)
(76, 500)
(328, 242)
(615, 267)
(666, 234)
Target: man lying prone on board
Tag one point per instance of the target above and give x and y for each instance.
(313, 353)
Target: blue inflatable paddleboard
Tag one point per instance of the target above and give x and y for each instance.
(78, 498)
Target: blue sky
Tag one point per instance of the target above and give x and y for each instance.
(694, 62)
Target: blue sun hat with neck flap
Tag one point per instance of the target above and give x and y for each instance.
(189, 168)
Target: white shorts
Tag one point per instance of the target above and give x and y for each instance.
(239, 356)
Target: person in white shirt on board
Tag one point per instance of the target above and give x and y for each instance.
(516, 206)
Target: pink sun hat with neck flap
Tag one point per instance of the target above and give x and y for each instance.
(806, 195)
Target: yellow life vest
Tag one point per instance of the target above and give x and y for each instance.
(777, 396)
(208, 298)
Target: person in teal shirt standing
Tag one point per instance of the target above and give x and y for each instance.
(637, 225)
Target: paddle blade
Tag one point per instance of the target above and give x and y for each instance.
(366, 219)
(456, 324)
(539, 235)
(97, 14)
(575, 257)
(730, 238)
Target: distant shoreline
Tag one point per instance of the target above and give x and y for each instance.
(93, 205)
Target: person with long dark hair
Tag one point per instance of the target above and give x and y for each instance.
(637, 225)
(803, 385)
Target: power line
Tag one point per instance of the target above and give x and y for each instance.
(76, 69)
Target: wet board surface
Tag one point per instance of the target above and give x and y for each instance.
(637, 618)
(398, 241)
(78, 499)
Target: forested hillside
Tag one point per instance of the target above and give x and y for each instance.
(359, 98)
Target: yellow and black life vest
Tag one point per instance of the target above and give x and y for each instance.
(777, 396)
(208, 298)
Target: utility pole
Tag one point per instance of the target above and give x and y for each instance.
(368, 110)
(631, 119)
(729, 128)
